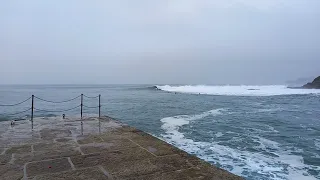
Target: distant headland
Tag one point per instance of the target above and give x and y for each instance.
(315, 84)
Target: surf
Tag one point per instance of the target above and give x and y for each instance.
(272, 161)
(243, 90)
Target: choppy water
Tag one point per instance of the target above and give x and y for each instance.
(258, 132)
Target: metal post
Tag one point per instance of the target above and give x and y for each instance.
(81, 114)
(81, 128)
(32, 107)
(99, 105)
(99, 113)
(81, 104)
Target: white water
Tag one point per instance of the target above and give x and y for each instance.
(238, 90)
(240, 160)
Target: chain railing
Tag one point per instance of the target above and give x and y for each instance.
(33, 99)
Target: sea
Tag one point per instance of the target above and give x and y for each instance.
(257, 132)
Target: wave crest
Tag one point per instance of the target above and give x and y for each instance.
(243, 90)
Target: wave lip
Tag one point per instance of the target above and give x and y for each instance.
(243, 90)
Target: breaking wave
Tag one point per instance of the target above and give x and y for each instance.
(276, 163)
(243, 90)
(144, 88)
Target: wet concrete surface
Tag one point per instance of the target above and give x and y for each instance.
(57, 149)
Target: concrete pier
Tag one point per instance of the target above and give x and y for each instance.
(58, 149)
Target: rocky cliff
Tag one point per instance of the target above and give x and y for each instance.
(315, 84)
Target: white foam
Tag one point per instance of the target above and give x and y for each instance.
(285, 166)
(238, 90)
(172, 123)
(171, 126)
(219, 134)
(266, 143)
(268, 110)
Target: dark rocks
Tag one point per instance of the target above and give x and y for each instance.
(315, 84)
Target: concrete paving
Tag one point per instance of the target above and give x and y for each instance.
(58, 149)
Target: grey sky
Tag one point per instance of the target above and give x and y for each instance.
(158, 41)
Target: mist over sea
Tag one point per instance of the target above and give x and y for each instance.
(258, 132)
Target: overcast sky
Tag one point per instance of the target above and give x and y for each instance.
(158, 41)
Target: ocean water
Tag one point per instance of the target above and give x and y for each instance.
(258, 132)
